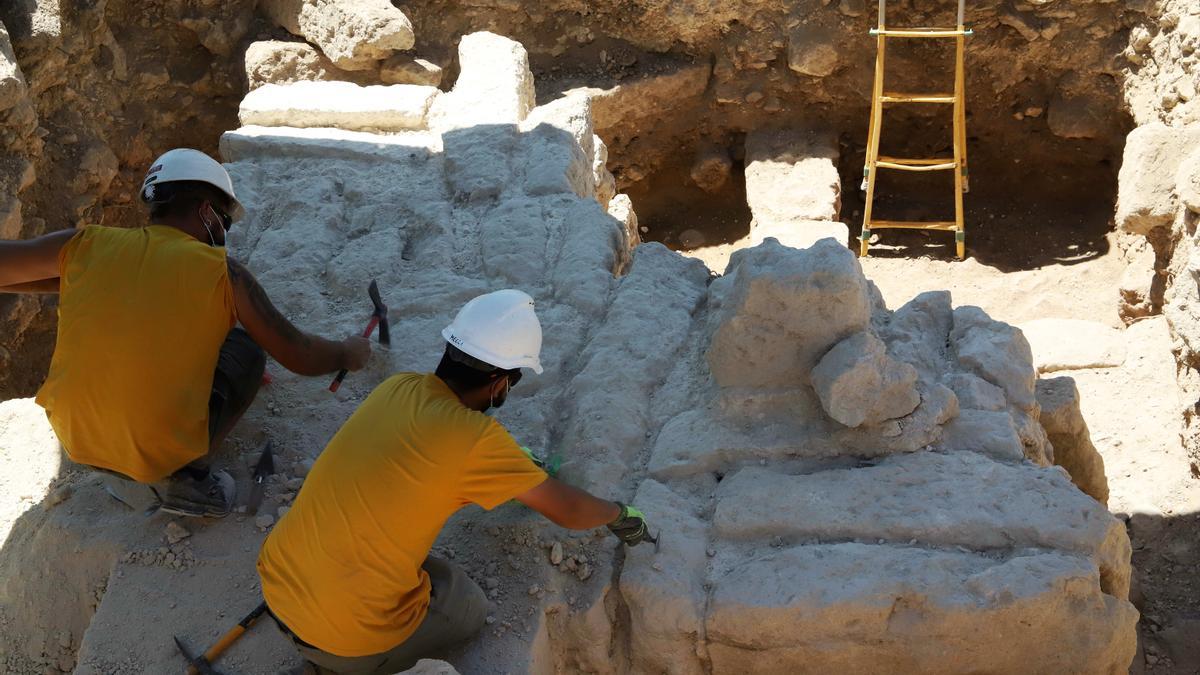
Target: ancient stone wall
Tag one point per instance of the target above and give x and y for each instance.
(837, 486)
(1159, 188)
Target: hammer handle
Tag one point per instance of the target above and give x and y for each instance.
(229, 638)
(337, 381)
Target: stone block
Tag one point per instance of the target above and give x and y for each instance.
(711, 168)
(919, 331)
(405, 69)
(276, 62)
(1187, 181)
(812, 50)
(956, 499)
(792, 176)
(889, 610)
(665, 590)
(647, 97)
(343, 105)
(858, 383)
(479, 160)
(975, 392)
(778, 310)
(354, 34)
(495, 85)
(1068, 433)
(621, 208)
(986, 432)
(1073, 344)
(1146, 183)
(995, 351)
(1141, 287)
(559, 148)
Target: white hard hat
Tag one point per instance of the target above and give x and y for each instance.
(188, 164)
(500, 329)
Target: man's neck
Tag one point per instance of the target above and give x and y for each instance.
(466, 398)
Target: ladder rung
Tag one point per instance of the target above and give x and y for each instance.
(912, 225)
(921, 32)
(938, 164)
(897, 97)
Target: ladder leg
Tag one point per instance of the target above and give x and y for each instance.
(873, 147)
(959, 148)
(961, 115)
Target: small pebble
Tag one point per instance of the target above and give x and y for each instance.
(175, 532)
(556, 553)
(533, 590)
(264, 521)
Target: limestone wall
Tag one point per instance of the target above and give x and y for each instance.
(1159, 188)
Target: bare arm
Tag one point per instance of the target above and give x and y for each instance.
(294, 349)
(41, 286)
(568, 506)
(22, 262)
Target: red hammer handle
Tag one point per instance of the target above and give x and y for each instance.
(337, 381)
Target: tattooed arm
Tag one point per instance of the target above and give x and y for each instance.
(294, 349)
(31, 266)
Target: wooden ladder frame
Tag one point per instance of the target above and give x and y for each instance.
(957, 163)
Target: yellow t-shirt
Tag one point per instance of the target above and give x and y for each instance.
(142, 314)
(343, 568)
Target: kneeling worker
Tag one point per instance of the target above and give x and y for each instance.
(347, 572)
(149, 371)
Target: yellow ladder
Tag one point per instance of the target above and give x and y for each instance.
(957, 163)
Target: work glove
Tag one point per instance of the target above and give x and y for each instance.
(537, 461)
(550, 465)
(630, 526)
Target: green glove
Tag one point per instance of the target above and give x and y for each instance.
(630, 526)
(550, 466)
(533, 458)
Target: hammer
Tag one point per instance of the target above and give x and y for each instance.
(201, 664)
(378, 318)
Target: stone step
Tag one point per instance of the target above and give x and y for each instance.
(344, 105)
(856, 608)
(1073, 344)
(960, 499)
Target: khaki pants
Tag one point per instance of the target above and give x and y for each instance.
(457, 610)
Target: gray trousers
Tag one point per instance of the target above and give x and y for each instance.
(457, 610)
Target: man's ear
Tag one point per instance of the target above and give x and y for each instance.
(496, 388)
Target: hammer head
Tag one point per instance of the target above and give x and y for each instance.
(381, 311)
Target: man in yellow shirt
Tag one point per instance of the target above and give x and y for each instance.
(347, 572)
(149, 371)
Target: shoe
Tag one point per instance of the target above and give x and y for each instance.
(209, 497)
